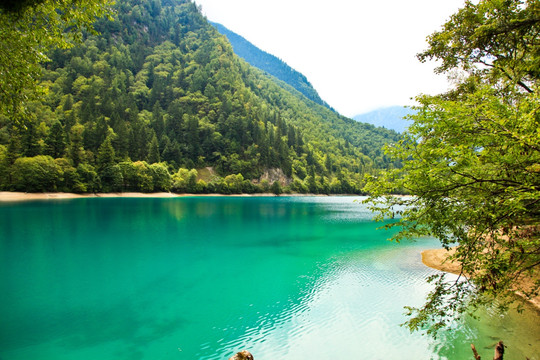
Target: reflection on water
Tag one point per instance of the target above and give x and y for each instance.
(201, 278)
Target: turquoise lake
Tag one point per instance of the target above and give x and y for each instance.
(204, 277)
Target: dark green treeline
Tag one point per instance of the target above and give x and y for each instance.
(160, 91)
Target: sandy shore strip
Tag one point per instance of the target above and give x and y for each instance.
(21, 196)
(6, 196)
(437, 259)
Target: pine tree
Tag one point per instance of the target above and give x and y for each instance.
(153, 151)
(76, 148)
(105, 156)
(56, 141)
(30, 140)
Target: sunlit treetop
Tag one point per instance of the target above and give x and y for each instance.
(496, 39)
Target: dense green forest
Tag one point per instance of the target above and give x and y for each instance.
(271, 64)
(158, 93)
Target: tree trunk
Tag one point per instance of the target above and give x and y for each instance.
(476, 356)
(499, 351)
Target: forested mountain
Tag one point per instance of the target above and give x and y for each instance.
(160, 91)
(389, 118)
(271, 64)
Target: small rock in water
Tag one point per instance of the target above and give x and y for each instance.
(242, 355)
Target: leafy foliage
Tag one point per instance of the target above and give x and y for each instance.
(28, 30)
(472, 160)
(161, 85)
(18, 5)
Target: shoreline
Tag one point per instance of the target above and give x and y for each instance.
(9, 196)
(437, 259)
(6, 196)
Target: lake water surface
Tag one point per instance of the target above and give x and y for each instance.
(204, 277)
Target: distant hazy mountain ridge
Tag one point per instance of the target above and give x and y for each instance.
(271, 64)
(390, 118)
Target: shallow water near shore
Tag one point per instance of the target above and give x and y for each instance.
(202, 278)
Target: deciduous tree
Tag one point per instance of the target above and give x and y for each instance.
(27, 32)
(471, 160)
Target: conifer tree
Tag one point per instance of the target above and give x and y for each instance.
(153, 151)
(105, 156)
(56, 140)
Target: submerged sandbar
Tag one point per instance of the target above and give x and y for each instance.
(438, 259)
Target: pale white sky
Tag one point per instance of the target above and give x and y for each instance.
(358, 54)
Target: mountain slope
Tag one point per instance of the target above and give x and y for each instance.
(389, 118)
(161, 91)
(271, 64)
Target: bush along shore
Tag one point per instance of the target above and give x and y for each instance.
(42, 173)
